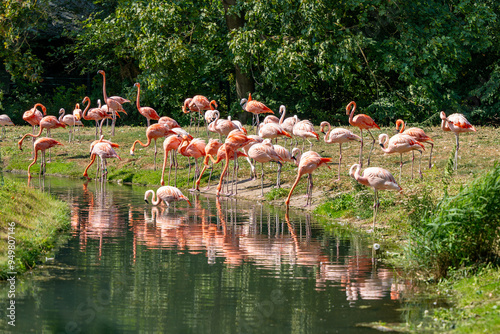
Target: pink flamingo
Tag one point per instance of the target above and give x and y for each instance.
(95, 114)
(170, 145)
(256, 108)
(256, 139)
(401, 143)
(305, 130)
(70, 121)
(194, 148)
(363, 122)
(340, 136)
(42, 144)
(198, 103)
(33, 117)
(147, 112)
(221, 126)
(456, 123)
(264, 152)
(285, 156)
(378, 179)
(169, 122)
(221, 155)
(114, 103)
(153, 132)
(211, 149)
(234, 141)
(307, 164)
(103, 149)
(417, 134)
(167, 195)
(287, 123)
(5, 120)
(272, 130)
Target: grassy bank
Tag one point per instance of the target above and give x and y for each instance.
(38, 220)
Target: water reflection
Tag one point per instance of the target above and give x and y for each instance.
(222, 255)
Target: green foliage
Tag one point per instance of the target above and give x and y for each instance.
(462, 230)
(276, 193)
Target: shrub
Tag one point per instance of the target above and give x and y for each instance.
(463, 229)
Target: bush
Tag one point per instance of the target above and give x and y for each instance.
(463, 230)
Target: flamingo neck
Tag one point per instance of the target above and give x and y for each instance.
(327, 134)
(138, 96)
(282, 118)
(353, 109)
(154, 200)
(84, 115)
(104, 86)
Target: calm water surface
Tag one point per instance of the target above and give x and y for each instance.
(221, 266)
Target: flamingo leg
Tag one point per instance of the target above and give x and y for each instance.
(262, 181)
(42, 163)
(371, 148)
(400, 166)
(340, 160)
(430, 156)
(361, 150)
(375, 208)
(165, 157)
(155, 156)
(420, 166)
(412, 161)
(237, 167)
(309, 190)
(50, 155)
(456, 152)
(219, 187)
(278, 180)
(210, 175)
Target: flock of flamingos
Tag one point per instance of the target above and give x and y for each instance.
(258, 147)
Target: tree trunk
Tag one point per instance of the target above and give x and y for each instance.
(244, 83)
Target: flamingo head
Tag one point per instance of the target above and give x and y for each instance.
(138, 85)
(442, 115)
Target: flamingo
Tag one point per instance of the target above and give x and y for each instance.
(167, 195)
(456, 123)
(103, 149)
(169, 122)
(378, 179)
(307, 164)
(94, 114)
(264, 152)
(305, 130)
(211, 149)
(363, 122)
(77, 112)
(220, 155)
(256, 139)
(287, 123)
(199, 103)
(235, 140)
(256, 108)
(5, 120)
(34, 116)
(401, 143)
(147, 112)
(194, 148)
(153, 132)
(285, 156)
(48, 122)
(42, 144)
(340, 136)
(70, 121)
(272, 130)
(170, 144)
(417, 134)
(114, 103)
(222, 126)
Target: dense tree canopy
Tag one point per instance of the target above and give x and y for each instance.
(397, 59)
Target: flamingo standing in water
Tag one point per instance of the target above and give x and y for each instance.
(167, 195)
(363, 122)
(307, 162)
(234, 141)
(42, 144)
(340, 136)
(5, 120)
(401, 143)
(456, 123)
(147, 112)
(378, 179)
(103, 149)
(418, 134)
(114, 103)
(264, 152)
(256, 108)
(170, 146)
(153, 132)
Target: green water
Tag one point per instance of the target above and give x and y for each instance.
(222, 266)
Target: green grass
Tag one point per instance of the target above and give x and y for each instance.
(38, 219)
